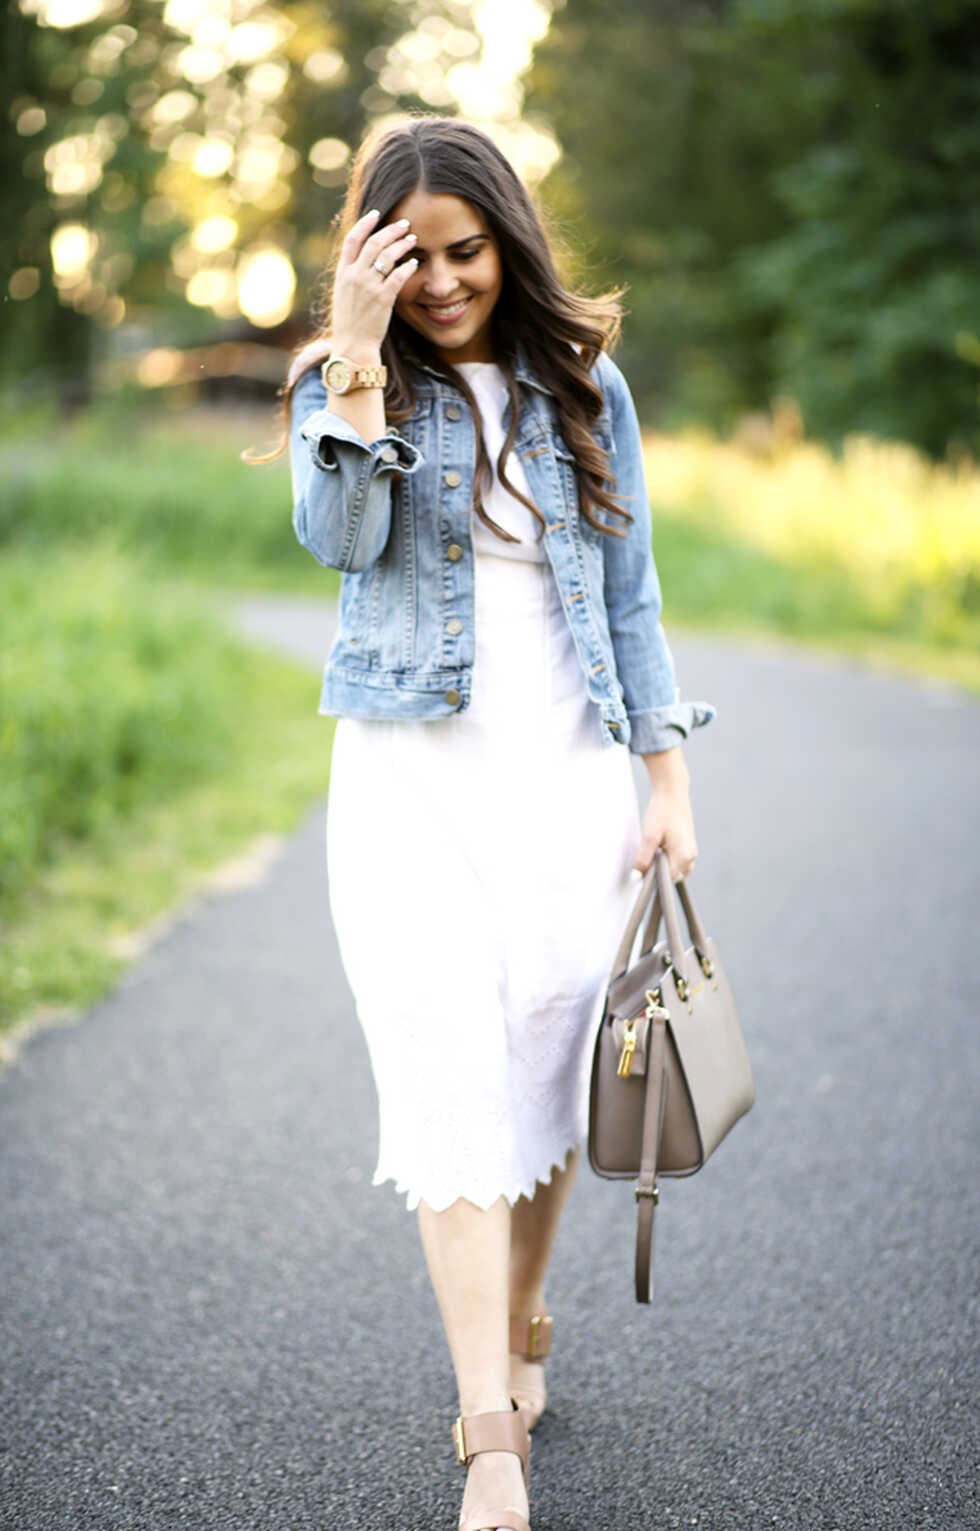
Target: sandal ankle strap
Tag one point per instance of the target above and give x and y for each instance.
(500, 1430)
(530, 1338)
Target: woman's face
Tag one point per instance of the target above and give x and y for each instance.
(451, 297)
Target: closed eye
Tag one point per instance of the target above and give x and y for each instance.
(456, 255)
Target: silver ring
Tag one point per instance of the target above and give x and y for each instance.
(378, 266)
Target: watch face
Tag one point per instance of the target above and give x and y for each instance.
(338, 375)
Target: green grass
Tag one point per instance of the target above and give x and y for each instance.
(873, 552)
(140, 743)
(713, 583)
(170, 489)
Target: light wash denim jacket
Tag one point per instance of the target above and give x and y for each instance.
(395, 518)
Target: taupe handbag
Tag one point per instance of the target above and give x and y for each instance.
(670, 1073)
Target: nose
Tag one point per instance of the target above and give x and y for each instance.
(440, 279)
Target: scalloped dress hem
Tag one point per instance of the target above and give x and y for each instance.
(484, 1199)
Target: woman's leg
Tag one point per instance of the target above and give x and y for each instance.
(533, 1228)
(468, 1255)
(534, 1225)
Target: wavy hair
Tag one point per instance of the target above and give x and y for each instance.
(561, 332)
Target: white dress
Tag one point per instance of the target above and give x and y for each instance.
(480, 875)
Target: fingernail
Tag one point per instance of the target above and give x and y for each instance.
(412, 237)
(375, 212)
(404, 222)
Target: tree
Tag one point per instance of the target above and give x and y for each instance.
(790, 188)
(173, 165)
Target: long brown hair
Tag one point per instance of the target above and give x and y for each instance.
(561, 332)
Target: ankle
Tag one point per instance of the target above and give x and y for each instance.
(525, 1303)
(486, 1400)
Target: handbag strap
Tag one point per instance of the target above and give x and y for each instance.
(657, 885)
(665, 890)
(647, 1189)
(622, 957)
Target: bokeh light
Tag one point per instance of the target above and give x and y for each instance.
(215, 234)
(72, 249)
(266, 286)
(24, 282)
(211, 92)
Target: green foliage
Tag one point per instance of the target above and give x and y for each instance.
(139, 743)
(114, 691)
(125, 100)
(876, 542)
(172, 490)
(791, 189)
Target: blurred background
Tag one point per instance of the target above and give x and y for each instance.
(788, 189)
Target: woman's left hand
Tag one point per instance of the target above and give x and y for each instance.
(668, 820)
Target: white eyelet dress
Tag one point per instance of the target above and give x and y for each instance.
(479, 879)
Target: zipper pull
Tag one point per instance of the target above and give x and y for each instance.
(629, 1048)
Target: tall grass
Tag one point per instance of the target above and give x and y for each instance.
(878, 540)
(112, 692)
(140, 741)
(172, 490)
(787, 538)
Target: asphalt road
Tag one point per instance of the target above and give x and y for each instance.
(209, 1319)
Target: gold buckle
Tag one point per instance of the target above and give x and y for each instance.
(458, 1441)
(534, 1328)
(653, 1195)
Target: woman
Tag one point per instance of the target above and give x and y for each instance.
(466, 453)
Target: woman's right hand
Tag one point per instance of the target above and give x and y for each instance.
(363, 296)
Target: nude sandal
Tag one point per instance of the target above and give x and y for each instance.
(530, 1338)
(503, 1430)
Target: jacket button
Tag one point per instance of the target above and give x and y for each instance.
(453, 479)
(389, 454)
(454, 552)
(452, 697)
(454, 626)
(453, 412)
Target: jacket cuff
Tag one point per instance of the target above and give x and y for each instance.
(664, 727)
(324, 431)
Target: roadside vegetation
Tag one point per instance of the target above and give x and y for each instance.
(142, 741)
(165, 485)
(873, 551)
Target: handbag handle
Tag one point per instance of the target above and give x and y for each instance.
(656, 883)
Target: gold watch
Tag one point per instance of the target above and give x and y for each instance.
(342, 376)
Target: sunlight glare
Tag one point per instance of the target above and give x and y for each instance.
(266, 286)
(72, 248)
(63, 13)
(214, 234)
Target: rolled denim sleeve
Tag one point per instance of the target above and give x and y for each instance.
(341, 486)
(658, 718)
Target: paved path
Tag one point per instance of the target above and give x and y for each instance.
(209, 1320)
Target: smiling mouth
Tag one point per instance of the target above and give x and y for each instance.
(446, 313)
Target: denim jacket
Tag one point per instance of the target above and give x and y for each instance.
(394, 517)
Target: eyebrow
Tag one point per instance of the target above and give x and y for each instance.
(469, 240)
